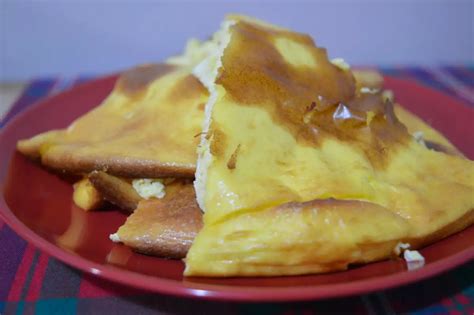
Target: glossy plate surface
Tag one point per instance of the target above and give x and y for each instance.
(39, 207)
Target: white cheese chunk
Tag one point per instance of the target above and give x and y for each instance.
(148, 188)
(367, 90)
(114, 238)
(414, 259)
(400, 247)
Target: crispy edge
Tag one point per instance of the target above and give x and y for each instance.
(177, 208)
(115, 190)
(122, 167)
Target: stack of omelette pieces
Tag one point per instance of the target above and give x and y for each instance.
(300, 164)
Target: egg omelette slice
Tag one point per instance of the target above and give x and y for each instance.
(300, 171)
(146, 127)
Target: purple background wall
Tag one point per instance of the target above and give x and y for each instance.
(71, 37)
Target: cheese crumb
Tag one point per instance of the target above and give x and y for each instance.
(367, 90)
(414, 259)
(148, 188)
(340, 63)
(400, 247)
(114, 238)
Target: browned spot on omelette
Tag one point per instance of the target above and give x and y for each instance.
(219, 142)
(188, 87)
(138, 78)
(129, 134)
(164, 227)
(231, 164)
(254, 73)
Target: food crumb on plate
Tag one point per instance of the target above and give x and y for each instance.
(114, 238)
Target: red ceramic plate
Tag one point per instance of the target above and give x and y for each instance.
(38, 206)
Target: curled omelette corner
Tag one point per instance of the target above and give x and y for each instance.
(314, 193)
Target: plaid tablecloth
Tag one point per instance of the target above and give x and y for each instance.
(32, 282)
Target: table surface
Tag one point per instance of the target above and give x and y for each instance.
(32, 282)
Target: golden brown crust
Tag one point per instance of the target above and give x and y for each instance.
(131, 134)
(124, 167)
(176, 224)
(115, 190)
(137, 79)
(164, 227)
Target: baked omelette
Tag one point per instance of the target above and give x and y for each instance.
(146, 128)
(131, 148)
(164, 227)
(301, 171)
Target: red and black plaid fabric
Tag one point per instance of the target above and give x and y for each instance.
(32, 282)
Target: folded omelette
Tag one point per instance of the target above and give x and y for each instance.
(300, 170)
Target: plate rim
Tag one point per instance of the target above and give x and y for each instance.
(213, 291)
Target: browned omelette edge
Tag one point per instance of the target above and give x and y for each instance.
(125, 167)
